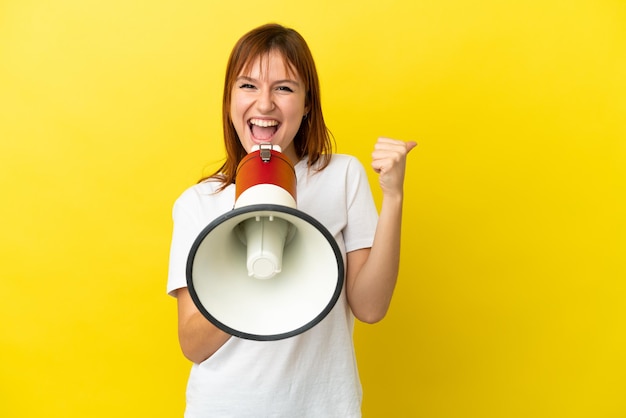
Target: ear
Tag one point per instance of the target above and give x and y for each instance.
(307, 105)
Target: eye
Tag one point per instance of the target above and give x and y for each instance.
(285, 89)
(246, 86)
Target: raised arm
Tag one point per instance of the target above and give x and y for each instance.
(372, 273)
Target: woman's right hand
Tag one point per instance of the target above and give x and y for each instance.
(199, 339)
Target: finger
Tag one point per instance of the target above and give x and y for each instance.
(390, 143)
(410, 145)
(384, 142)
(378, 164)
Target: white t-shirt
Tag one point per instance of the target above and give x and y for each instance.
(313, 374)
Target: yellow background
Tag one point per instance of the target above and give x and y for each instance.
(511, 300)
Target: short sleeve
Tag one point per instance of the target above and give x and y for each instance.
(362, 214)
(196, 208)
(186, 229)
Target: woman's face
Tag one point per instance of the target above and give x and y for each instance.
(268, 105)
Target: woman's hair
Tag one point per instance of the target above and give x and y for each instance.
(313, 139)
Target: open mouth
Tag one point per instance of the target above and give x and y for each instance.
(263, 130)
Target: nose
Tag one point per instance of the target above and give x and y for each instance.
(265, 102)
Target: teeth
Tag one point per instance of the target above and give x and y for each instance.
(263, 122)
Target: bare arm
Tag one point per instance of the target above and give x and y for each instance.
(372, 273)
(199, 339)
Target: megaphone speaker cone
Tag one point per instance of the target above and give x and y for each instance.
(299, 256)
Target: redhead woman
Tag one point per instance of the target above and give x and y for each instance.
(272, 96)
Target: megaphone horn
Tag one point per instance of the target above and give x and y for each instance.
(265, 270)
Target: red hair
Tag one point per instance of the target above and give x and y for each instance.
(313, 139)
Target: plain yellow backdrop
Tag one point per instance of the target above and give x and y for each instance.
(511, 300)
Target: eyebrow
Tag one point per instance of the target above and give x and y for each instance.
(287, 80)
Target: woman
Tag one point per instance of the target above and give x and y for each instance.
(271, 95)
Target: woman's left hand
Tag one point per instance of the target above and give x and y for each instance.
(372, 272)
(389, 161)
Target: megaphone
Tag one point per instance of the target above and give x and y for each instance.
(265, 270)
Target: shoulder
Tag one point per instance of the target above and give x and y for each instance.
(344, 159)
(349, 165)
(344, 162)
(197, 191)
(204, 196)
(340, 166)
